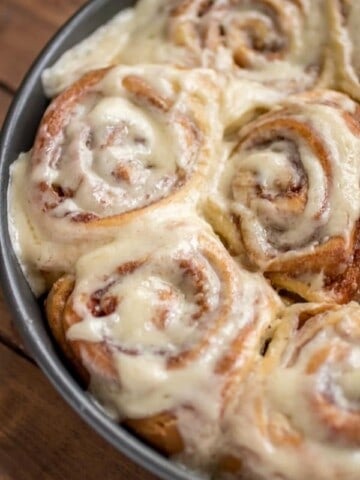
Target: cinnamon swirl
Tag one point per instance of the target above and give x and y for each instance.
(298, 416)
(117, 143)
(278, 42)
(289, 196)
(162, 330)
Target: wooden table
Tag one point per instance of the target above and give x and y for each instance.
(40, 436)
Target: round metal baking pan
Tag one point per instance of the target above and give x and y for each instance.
(17, 136)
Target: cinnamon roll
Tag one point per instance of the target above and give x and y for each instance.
(162, 330)
(288, 199)
(117, 143)
(278, 42)
(345, 18)
(298, 416)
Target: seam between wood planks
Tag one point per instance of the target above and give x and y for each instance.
(7, 88)
(8, 343)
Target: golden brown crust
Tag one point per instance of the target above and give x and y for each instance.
(57, 114)
(310, 344)
(210, 32)
(341, 287)
(55, 306)
(96, 358)
(159, 430)
(249, 36)
(188, 124)
(317, 265)
(343, 335)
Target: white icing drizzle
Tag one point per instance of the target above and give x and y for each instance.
(278, 423)
(38, 254)
(142, 146)
(243, 99)
(96, 51)
(274, 166)
(142, 340)
(345, 35)
(354, 35)
(149, 33)
(114, 154)
(296, 33)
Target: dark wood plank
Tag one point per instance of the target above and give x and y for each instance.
(42, 438)
(8, 333)
(5, 100)
(25, 28)
(52, 11)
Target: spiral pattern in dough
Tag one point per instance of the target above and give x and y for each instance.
(289, 196)
(117, 142)
(266, 40)
(280, 43)
(120, 142)
(299, 415)
(161, 327)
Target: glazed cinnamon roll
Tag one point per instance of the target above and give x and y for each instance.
(117, 143)
(298, 416)
(162, 324)
(281, 43)
(345, 18)
(288, 199)
(278, 42)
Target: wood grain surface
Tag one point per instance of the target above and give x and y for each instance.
(8, 333)
(25, 28)
(5, 100)
(41, 438)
